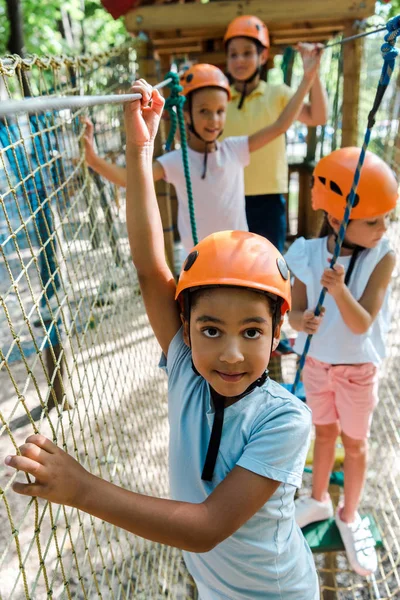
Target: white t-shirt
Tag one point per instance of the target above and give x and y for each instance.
(219, 201)
(334, 342)
(266, 432)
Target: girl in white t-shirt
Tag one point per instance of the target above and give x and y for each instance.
(340, 373)
(216, 168)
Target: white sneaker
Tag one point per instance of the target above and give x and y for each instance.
(359, 544)
(309, 510)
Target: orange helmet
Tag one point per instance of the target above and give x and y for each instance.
(377, 190)
(250, 27)
(239, 259)
(203, 76)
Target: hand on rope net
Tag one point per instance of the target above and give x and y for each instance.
(44, 104)
(389, 54)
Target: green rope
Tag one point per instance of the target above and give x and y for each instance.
(287, 59)
(177, 100)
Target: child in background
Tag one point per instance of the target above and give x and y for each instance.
(256, 104)
(216, 168)
(340, 373)
(238, 440)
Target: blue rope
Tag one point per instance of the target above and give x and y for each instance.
(389, 53)
(177, 100)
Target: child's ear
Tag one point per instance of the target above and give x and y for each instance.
(277, 336)
(264, 56)
(334, 222)
(186, 336)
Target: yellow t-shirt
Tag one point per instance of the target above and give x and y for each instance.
(267, 172)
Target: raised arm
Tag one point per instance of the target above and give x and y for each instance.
(315, 112)
(291, 111)
(103, 167)
(106, 169)
(145, 230)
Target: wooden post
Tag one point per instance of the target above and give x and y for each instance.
(148, 70)
(352, 54)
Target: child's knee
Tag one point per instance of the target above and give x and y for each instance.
(354, 448)
(327, 433)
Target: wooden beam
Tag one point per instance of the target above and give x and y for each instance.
(176, 41)
(352, 55)
(294, 39)
(177, 50)
(219, 14)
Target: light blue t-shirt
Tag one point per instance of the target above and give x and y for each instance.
(266, 432)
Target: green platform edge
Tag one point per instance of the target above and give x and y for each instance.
(324, 536)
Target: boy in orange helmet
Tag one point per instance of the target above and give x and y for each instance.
(238, 440)
(256, 104)
(216, 168)
(340, 373)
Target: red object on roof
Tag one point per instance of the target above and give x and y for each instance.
(117, 8)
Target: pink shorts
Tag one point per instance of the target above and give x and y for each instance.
(344, 393)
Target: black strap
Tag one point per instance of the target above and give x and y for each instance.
(248, 80)
(243, 96)
(352, 264)
(216, 432)
(215, 439)
(203, 176)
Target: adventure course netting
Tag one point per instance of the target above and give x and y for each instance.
(74, 334)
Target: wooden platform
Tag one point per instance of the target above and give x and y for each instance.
(197, 28)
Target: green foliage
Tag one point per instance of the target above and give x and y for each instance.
(388, 9)
(92, 29)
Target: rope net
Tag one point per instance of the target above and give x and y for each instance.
(74, 334)
(79, 361)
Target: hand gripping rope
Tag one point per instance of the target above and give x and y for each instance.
(389, 53)
(176, 101)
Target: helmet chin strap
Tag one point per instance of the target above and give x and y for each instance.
(356, 251)
(219, 400)
(192, 129)
(245, 82)
(216, 432)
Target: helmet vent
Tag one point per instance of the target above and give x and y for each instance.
(322, 180)
(335, 188)
(356, 200)
(189, 262)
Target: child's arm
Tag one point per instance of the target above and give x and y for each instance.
(359, 315)
(194, 527)
(314, 112)
(300, 318)
(106, 169)
(291, 111)
(145, 230)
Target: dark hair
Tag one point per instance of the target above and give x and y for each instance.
(257, 43)
(189, 97)
(274, 302)
(326, 228)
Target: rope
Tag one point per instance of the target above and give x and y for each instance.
(176, 101)
(389, 53)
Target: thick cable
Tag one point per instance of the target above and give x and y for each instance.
(38, 105)
(389, 53)
(355, 37)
